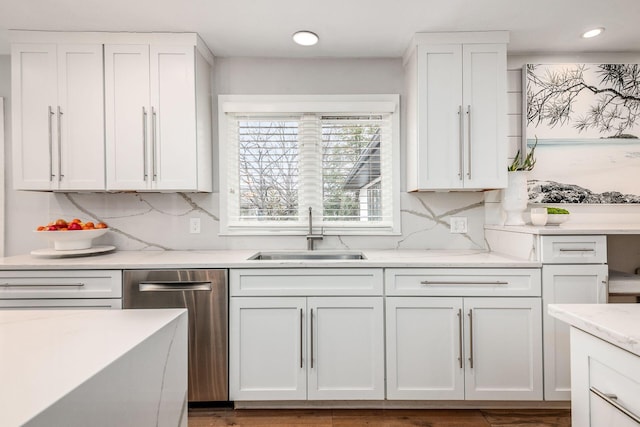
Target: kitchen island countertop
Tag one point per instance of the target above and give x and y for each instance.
(56, 361)
(618, 324)
(238, 259)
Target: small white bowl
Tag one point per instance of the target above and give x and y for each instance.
(557, 219)
(72, 240)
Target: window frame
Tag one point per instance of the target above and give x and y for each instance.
(299, 104)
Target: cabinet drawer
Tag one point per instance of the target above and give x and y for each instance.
(463, 281)
(60, 284)
(306, 281)
(574, 249)
(61, 304)
(615, 383)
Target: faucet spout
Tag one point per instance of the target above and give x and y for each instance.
(310, 236)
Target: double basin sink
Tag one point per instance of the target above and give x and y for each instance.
(305, 255)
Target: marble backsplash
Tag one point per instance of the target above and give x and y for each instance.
(160, 221)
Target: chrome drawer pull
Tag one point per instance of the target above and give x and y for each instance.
(41, 285)
(576, 250)
(462, 282)
(611, 399)
(174, 286)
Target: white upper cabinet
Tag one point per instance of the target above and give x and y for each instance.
(138, 121)
(456, 111)
(58, 116)
(158, 132)
(127, 115)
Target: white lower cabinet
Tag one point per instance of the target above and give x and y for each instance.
(463, 334)
(504, 356)
(267, 341)
(425, 348)
(316, 348)
(605, 383)
(464, 348)
(566, 284)
(60, 289)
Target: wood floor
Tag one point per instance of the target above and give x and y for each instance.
(202, 417)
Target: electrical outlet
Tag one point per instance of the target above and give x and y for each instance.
(458, 224)
(194, 225)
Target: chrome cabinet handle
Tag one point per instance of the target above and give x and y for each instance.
(471, 338)
(460, 359)
(145, 173)
(603, 293)
(469, 139)
(301, 327)
(51, 174)
(576, 250)
(60, 175)
(460, 142)
(463, 282)
(174, 286)
(42, 285)
(153, 142)
(311, 342)
(50, 307)
(611, 399)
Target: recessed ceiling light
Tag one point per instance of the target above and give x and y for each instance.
(305, 38)
(592, 33)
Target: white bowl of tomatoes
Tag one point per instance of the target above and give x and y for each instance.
(72, 235)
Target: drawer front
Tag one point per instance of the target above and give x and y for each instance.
(42, 284)
(615, 382)
(463, 281)
(574, 249)
(61, 304)
(306, 282)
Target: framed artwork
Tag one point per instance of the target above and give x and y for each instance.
(584, 120)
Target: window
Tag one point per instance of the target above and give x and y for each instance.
(281, 155)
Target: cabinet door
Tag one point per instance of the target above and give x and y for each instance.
(439, 156)
(34, 98)
(566, 284)
(80, 118)
(504, 355)
(266, 343)
(484, 103)
(173, 112)
(127, 116)
(346, 348)
(424, 348)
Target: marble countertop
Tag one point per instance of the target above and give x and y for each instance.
(618, 324)
(570, 228)
(238, 259)
(46, 354)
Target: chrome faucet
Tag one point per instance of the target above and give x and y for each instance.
(310, 236)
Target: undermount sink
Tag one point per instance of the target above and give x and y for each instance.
(306, 255)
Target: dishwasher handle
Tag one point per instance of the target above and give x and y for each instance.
(174, 286)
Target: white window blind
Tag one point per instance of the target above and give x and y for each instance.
(278, 165)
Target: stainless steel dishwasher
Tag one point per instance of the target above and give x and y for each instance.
(204, 294)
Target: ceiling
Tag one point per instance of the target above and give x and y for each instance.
(347, 28)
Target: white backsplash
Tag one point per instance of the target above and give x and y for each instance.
(154, 221)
